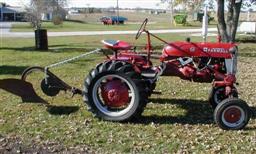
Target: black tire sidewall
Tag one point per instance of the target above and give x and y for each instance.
(225, 104)
(212, 94)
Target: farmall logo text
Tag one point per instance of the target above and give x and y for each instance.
(215, 50)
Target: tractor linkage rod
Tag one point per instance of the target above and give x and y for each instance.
(68, 60)
(60, 83)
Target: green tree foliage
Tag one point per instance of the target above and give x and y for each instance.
(180, 19)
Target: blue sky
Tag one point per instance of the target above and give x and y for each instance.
(102, 3)
(99, 3)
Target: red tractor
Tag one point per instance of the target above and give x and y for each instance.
(118, 89)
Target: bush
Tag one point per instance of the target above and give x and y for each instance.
(180, 19)
(57, 20)
(200, 17)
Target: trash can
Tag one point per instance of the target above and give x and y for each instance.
(41, 39)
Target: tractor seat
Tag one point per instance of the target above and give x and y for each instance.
(116, 45)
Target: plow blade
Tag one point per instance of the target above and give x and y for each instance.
(22, 89)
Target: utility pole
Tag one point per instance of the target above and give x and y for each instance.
(171, 7)
(88, 8)
(117, 7)
(58, 11)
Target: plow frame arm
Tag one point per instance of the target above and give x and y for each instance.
(46, 69)
(56, 82)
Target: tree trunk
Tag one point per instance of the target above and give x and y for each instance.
(221, 21)
(228, 28)
(236, 8)
(229, 19)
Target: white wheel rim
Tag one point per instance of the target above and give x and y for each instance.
(233, 124)
(102, 107)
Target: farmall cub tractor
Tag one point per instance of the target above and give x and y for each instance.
(118, 89)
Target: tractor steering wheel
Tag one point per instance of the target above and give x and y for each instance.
(141, 29)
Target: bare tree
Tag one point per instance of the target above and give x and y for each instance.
(190, 5)
(228, 28)
(38, 7)
(171, 4)
(34, 13)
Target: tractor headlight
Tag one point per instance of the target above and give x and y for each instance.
(234, 52)
(231, 64)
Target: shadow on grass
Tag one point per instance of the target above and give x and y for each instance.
(198, 112)
(61, 110)
(253, 110)
(76, 21)
(19, 48)
(70, 49)
(247, 39)
(53, 48)
(247, 54)
(12, 70)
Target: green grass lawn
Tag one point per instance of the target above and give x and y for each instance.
(90, 22)
(68, 26)
(180, 120)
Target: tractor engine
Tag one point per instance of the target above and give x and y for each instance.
(192, 69)
(200, 62)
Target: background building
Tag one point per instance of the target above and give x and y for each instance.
(9, 13)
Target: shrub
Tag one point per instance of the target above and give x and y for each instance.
(180, 19)
(57, 20)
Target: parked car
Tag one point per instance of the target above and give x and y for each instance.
(111, 20)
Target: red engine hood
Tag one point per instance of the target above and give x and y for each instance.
(201, 49)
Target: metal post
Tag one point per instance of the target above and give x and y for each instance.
(117, 7)
(248, 15)
(2, 14)
(205, 25)
(14, 16)
(171, 7)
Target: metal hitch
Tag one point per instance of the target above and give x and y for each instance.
(51, 85)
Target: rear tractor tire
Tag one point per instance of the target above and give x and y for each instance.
(115, 92)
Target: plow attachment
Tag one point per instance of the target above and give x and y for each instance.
(22, 89)
(51, 85)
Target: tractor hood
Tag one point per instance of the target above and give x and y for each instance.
(201, 49)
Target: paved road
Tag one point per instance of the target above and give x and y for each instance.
(5, 32)
(5, 27)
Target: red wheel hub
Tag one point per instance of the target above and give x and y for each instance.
(115, 93)
(232, 115)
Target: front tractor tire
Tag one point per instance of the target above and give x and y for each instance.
(217, 95)
(232, 114)
(115, 92)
